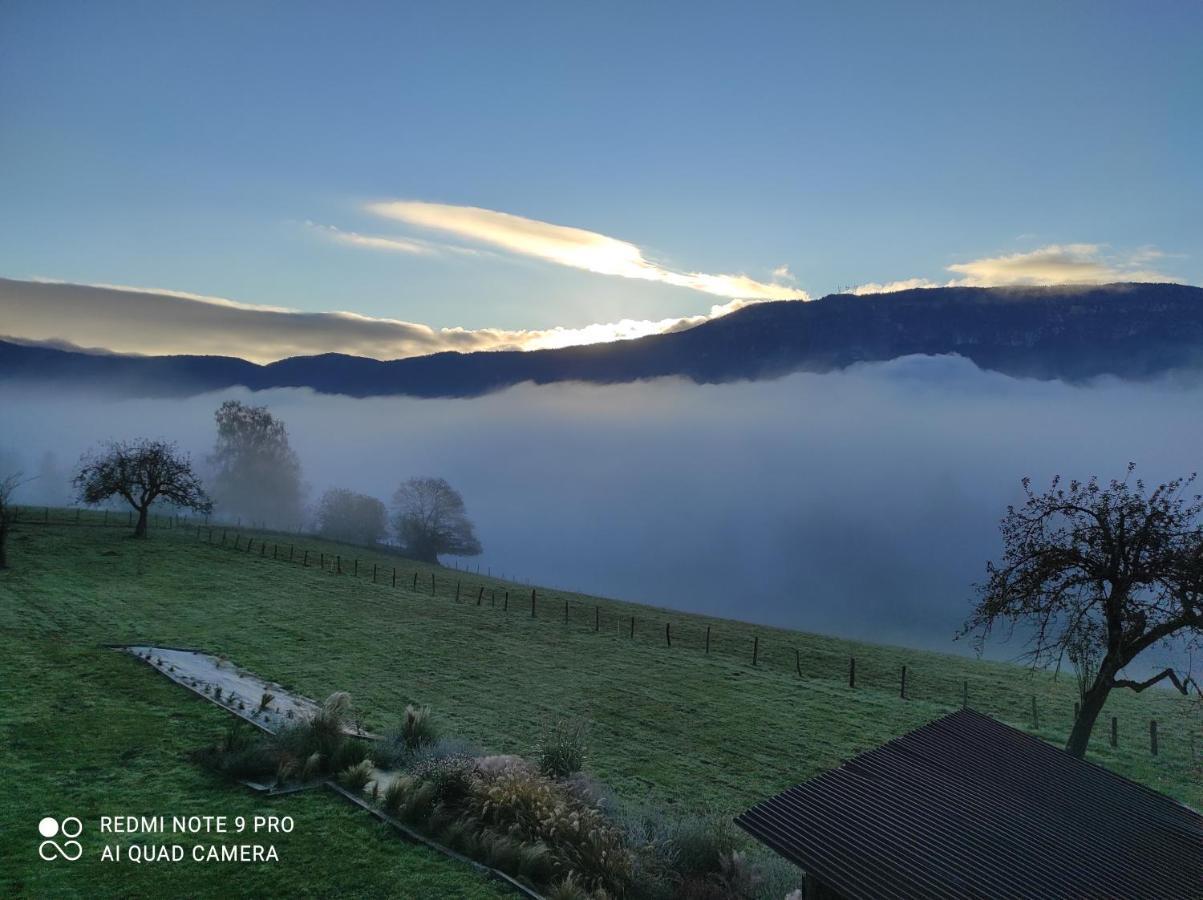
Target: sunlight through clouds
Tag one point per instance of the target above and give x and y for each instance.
(573, 247)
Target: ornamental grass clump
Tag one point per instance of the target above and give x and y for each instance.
(356, 777)
(562, 750)
(533, 808)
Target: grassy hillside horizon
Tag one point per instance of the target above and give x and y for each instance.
(90, 732)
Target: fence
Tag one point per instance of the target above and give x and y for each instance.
(760, 648)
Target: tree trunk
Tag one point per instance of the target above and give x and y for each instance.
(140, 528)
(1092, 706)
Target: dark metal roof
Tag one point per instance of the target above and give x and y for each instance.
(968, 807)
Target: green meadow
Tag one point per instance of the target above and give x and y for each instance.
(87, 731)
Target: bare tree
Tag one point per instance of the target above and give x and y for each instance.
(8, 511)
(430, 519)
(258, 475)
(344, 515)
(1098, 575)
(140, 472)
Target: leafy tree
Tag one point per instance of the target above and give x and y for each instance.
(344, 515)
(141, 472)
(430, 519)
(1099, 574)
(8, 511)
(257, 473)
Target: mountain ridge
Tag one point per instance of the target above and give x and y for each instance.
(1131, 330)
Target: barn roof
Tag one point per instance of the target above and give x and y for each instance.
(968, 807)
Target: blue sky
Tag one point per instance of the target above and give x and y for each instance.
(212, 148)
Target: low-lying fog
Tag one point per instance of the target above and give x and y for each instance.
(862, 503)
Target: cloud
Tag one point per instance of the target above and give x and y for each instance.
(146, 321)
(572, 247)
(1055, 264)
(1058, 264)
(782, 273)
(412, 246)
(890, 287)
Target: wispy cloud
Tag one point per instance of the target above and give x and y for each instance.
(1055, 264)
(573, 247)
(149, 321)
(413, 246)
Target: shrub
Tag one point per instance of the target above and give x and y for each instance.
(562, 750)
(417, 728)
(451, 776)
(355, 778)
(534, 809)
(266, 700)
(501, 764)
(241, 753)
(700, 844)
(567, 889)
(396, 794)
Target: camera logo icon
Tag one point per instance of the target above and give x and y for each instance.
(70, 849)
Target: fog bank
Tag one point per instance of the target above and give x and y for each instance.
(862, 503)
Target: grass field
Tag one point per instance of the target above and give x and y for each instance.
(90, 732)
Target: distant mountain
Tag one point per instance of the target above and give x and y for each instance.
(1127, 330)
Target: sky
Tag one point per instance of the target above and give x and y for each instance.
(473, 176)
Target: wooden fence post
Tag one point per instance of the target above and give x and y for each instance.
(457, 592)
(263, 549)
(480, 595)
(506, 608)
(432, 586)
(632, 627)
(275, 551)
(394, 576)
(668, 638)
(291, 548)
(305, 562)
(532, 603)
(965, 694)
(755, 648)
(373, 573)
(1153, 736)
(851, 671)
(797, 662)
(356, 573)
(902, 689)
(322, 562)
(565, 610)
(707, 639)
(493, 597)
(415, 581)
(1115, 731)
(1035, 714)
(338, 563)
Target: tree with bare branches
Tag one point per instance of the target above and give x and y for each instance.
(430, 519)
(140, 472)
(8, 511)
(1098, 574)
